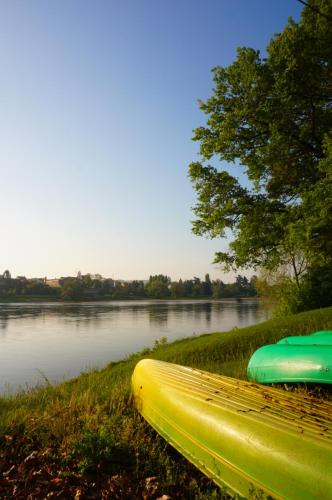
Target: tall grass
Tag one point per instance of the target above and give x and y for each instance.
(92, 428)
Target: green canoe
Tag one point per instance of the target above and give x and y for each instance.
(323, 332)
(291, 363)
(254, 441)
(307, 340)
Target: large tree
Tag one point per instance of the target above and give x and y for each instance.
(272, 117)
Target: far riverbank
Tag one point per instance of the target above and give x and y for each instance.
(41, 298)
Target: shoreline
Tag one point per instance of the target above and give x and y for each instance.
(23, 300)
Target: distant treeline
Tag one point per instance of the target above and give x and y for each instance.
(157, 287)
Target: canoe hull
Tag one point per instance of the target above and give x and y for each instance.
(322, 332)
(291, 363)
(307, 340)
(231, 430)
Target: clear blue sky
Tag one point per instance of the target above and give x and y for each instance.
(98, 104)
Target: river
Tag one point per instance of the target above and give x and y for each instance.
(56, 341)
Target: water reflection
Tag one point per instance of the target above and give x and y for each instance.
(62, 339)
(158, 317)
(86, 311)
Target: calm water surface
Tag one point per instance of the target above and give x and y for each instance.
(61, 340)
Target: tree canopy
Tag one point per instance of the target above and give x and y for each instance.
(271, 116)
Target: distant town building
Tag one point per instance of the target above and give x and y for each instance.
(54, 283)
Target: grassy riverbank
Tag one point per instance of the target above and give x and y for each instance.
(84, 437)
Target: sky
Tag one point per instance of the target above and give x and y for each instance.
(98, 107)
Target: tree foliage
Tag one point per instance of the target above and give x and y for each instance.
(72, 289)
(272, 116)
(158, 286)
(85, 287)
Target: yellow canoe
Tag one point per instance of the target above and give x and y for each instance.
(249, 439)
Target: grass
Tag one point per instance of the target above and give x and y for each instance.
(85, 437)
